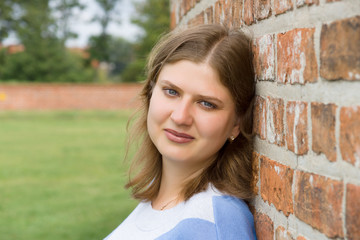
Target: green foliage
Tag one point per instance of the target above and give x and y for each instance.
(61, 175)
(109, 12)
(135, 72)
(153, 18)
(50, 66)
(45, 58)
(114, 51)
(6, 19)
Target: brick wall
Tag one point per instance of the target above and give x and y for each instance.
(307, 114)
(68, 96)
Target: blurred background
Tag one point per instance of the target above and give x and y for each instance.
(61, 169)
(78, 40)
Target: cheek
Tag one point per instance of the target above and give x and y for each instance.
(217, 128)
(157, 113)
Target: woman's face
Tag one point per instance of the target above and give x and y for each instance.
(191, 114)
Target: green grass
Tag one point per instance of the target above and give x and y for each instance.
(62, 175)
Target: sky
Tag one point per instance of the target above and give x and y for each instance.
(84, 28)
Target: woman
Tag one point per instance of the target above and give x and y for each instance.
(194, 162)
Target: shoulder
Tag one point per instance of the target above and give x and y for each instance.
(233, 218)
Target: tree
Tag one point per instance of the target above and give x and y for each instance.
(63, 12)
(7, 17)
(109, 13)
(153, 18)
(99, 46)
(45, 57)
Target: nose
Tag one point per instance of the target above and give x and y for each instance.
(182, 113)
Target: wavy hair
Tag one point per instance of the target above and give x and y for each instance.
(229, 53)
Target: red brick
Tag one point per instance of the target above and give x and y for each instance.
(275, 184)
(296, 131)
(248, 16)
(296, 60)
(300, 3)
(218, 12)
(197, 20)
(234, 13)
(353, 211)
(255, 167)
(275, 121)
(185, 6)
(262, 9)
(264, 227)
(173, 18)
(68, 96)
(318, 202)
(282, 234)
(228, 12)
(281, 6)
(349, 134)
(259, 124)
(340, 50)
(209, 15)
(264, 57)
(323, 129)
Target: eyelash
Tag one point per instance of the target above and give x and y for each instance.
(168, 90)
(205, 104)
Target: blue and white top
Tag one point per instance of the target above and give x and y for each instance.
(206, 215)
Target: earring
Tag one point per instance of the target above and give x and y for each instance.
(231, 139)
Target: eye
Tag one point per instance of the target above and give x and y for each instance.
(208, 105)
(170, 92)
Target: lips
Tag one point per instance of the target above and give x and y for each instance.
(178, 137)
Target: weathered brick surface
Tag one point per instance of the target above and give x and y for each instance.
(353, 212)
(323, 129)
(248, 12)
(296, 60)
(275, 122)
(58, 96)
(259, 123)
(173, 18)
(318, 202)
(296, 129)
(300, 3)
(255, 165)
(198, 20)
(264, 57)
(228, 13)
(349, 134)
(275, 184)
(340, 50)
(282, 6)
(264, 227)
(262, 9)
(209, 15)
(282, 234)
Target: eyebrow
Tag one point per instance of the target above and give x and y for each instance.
(209, 98)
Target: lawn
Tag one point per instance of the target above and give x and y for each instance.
(62, 175)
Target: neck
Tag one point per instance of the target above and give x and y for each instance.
(174, 175)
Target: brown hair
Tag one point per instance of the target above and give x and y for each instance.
(229, 53)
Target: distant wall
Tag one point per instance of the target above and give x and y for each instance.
(68, 96)
(307, 113)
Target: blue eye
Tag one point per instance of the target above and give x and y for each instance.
(207, 105)
(171, 92)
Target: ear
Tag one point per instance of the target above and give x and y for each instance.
(235, 131)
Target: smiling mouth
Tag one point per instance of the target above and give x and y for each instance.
(178, 137)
